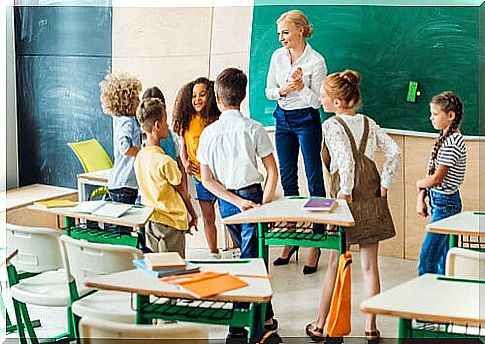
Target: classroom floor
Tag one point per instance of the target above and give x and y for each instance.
(295, 299)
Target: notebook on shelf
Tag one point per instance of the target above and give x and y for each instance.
(164, 261)
(56, 203)
(207, 283)
(320, 204)
(187, 269)
(102, 208)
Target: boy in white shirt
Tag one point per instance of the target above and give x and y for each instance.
(228, 152)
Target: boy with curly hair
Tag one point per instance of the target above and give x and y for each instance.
(120, 99)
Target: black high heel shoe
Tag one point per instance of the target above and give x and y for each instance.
(307, 270)
(284, 261)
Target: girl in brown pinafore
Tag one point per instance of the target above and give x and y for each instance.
(350, 141)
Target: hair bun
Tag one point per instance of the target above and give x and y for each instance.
(351, 76)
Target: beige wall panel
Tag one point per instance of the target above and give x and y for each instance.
(238, 60)
(231, 30)
(470, 191)
(161, 31)
(415, 160)
(165, 72)
(395, 247)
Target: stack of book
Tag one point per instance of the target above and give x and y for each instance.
(320, 204)
(165, 264)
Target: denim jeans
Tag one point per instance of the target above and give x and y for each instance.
(432, 258)
(295, 129)
(245, 235)
(122, 195)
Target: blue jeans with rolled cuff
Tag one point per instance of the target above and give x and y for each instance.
(122, 195)
(432, 258)
(295, 129)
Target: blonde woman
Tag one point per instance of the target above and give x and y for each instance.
(295, 74)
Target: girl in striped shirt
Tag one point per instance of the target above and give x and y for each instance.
(446, 172)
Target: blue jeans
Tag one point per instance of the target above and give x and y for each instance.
(432, 258)
(122, 195)
(202, 193)
(245, 235)
(295, 129)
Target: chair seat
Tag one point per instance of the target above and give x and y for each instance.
(109, 305)
(46, 289)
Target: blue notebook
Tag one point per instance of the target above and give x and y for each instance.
(189, 268)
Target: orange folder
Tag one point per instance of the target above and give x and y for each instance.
(207, 283)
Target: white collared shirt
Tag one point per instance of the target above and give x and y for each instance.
(280, 70)
(230, 147)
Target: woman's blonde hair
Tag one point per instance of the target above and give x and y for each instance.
(118, 92)
(344, 86)
(298, 19)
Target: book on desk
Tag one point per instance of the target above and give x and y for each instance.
(56, 203)
(320, 204)
(102, 208)
(159, 273)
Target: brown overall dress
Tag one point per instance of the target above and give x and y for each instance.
(373, 221)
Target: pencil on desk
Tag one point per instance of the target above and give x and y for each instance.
(255, 276)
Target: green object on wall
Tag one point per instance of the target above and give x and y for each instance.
(412, 90)
(389, 46)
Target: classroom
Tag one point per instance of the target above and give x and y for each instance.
(58, 52)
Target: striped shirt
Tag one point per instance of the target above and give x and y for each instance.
(452, 154)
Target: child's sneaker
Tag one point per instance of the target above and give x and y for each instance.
(214, 256)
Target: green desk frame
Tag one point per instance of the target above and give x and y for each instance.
(269, 235)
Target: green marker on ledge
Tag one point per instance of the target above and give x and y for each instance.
(479, 213)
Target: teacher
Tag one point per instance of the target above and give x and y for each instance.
(295, 75)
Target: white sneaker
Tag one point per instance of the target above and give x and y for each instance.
(214, 255)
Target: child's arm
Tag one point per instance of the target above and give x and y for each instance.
(421, 207)
(184, 157)
(392, 152)
(213, 185)
(434, 179)
(125, 138)
(182, 190)
(269, 164)
(132, 151)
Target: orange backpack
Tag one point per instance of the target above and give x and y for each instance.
(339, 316)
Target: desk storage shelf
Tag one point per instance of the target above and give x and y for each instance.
(472, 242)
(101, 236)
(417, 329)
(212, 312)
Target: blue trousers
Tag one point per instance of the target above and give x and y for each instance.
(432, 258)
(245, 235)
(122, 195)
(297, 129)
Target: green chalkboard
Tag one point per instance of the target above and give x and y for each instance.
(438, 46)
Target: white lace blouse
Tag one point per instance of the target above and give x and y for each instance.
(338, 144)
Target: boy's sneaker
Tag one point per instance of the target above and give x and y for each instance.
(237, 335)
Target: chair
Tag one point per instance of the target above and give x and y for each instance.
(36, 275)
(465, 263)
(92, 157)
(84, 259)
(94, 330)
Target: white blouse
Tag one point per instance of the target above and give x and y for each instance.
(280, 69)
(342, 160)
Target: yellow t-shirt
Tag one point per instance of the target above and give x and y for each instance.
(156, 172)
(191, 138)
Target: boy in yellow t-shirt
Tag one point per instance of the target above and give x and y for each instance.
(160, 183)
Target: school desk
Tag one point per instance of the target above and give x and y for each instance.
(87, 182)
(284, 222)
(443, 307)
(468, 226)
(160, 300)
(136, 218)
(18, 200)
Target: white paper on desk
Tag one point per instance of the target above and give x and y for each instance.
(88, 207)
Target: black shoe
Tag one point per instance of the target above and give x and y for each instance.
(284, 261)
(307, 270)
(273, 327)
(240, 337)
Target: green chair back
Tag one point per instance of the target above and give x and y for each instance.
(91, 155)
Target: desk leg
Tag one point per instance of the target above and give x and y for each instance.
(343, 240)
(453, 240)
(69, 222)
(404, 330)
(141, 301)
(256, 322)
(263, 249)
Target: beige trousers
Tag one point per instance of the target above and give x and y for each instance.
(163, 238)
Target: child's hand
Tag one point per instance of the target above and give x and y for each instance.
(383, 192)
(347, 198)
(193, 225)
(421, 207)
(245, 204)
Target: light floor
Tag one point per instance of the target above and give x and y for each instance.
(295, 298)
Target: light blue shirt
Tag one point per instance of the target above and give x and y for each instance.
(126, 133)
